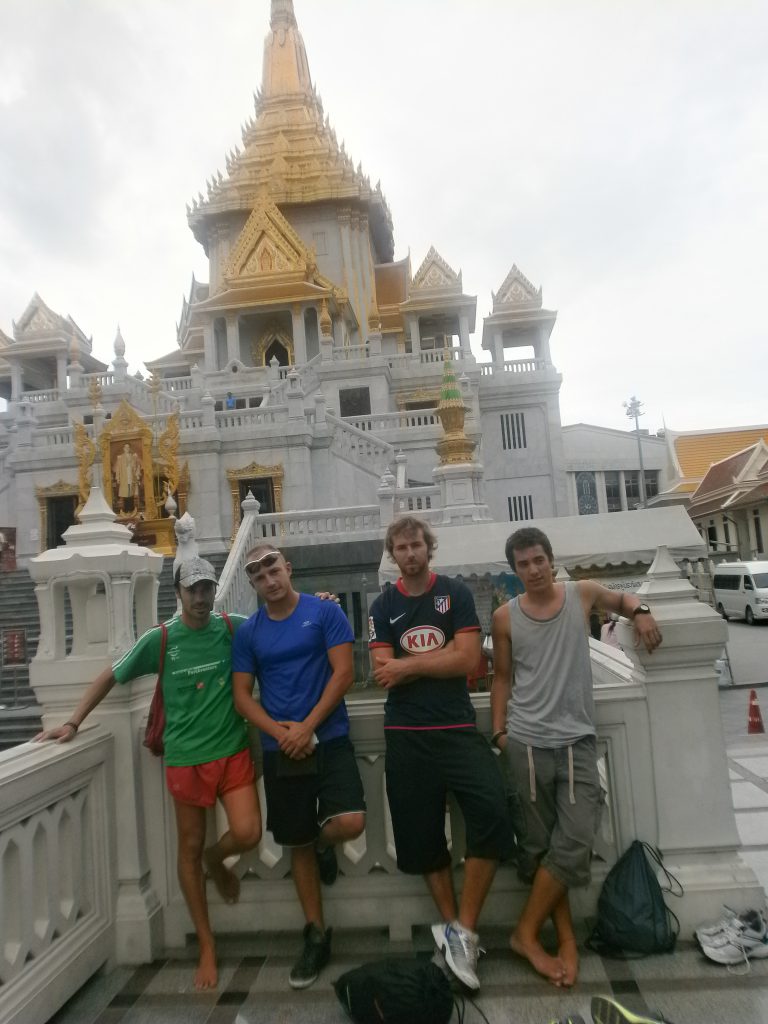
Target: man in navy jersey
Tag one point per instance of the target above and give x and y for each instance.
(424, 640)
(300, 649)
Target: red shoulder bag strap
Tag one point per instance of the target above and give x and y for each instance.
(163, 645)
(228, 621)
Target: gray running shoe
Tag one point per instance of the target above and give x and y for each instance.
(460, 948)
(314, 957)
(605, 1010)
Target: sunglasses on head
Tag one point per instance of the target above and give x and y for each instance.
(265, 561)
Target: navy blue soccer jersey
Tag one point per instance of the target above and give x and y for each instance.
(415, 625)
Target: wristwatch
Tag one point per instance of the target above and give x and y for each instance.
(642, 609)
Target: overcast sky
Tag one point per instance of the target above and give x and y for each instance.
(617, 151)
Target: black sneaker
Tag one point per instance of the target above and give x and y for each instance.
(314, 957)
(327, 864)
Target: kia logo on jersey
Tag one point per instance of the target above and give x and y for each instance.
(421, 639)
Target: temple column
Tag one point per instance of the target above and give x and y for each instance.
(299, 335)
(17, 382)
(464, 335)
(498, 348)
(413, 327)
(233, 338)
(209, 347)
(61, 372)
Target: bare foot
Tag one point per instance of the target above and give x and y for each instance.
(569, 954)
(207, 973)
(226, 881)
(551, 967)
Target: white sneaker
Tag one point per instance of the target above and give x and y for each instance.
(738, 941)
(752, 918)
(460, 948)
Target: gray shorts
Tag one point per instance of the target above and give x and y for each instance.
(556, 808)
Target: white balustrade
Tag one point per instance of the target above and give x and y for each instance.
(247, 419)
(417, 499)
(395, 420)
(515, 366)
(359, 447)
(57, 884)
(347, 353)
(177, 383)
(53, 437)
(48, 395)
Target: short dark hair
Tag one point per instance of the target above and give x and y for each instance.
(527, 537)
(409, 524)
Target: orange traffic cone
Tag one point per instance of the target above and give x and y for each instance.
(755, 719)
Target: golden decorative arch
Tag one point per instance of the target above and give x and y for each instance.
(61, 489)
(127, 427)
(234, 476)
(272, 332)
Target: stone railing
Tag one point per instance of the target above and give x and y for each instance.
(248, 419)
(515, 366)
(104, 380)
(49, 395)
(395, 420)
(57, 878)
(417, 499)
(358, 447)
(177, 383)
(53, 437)
(346, 353)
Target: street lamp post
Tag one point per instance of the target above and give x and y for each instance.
(633, 407)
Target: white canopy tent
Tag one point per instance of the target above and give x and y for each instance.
(608, 539)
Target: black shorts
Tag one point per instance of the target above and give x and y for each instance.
(298, 806)
(422, 766)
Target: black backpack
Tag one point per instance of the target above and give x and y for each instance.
(396, 992)
(632, 916)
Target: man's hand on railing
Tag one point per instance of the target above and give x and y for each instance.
(61, 733)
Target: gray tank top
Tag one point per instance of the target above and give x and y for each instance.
(551, 703)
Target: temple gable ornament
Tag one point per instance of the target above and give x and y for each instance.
(517, 291)
(268, 245)
(435, 274)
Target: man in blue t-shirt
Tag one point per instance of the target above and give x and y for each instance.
(300, 649)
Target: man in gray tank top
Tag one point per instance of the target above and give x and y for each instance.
(543, 720)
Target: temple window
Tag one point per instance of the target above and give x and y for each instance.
(354, 402)
(513, 431)
(520, 507)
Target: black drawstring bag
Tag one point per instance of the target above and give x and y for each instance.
(396, 992)
(632, 917)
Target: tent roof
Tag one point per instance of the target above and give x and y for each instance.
(611, 538)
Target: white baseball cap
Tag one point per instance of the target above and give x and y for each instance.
(196, 570)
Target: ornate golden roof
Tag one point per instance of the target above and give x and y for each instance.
(291, 153)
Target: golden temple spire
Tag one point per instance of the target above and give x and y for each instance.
(286, 69)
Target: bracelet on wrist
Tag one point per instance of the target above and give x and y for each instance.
(495, 737)
(73, 725)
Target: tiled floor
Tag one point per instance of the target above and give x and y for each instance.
(684, 986)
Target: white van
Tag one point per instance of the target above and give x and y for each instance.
(741, 589)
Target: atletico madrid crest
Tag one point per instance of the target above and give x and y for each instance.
(443, 604)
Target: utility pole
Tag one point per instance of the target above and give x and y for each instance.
(633, 407)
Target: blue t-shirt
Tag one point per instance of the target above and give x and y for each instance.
(289, 658)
